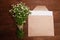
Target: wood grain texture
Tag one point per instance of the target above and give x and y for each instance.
(7, 24)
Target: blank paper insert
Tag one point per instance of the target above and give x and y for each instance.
(40, 23)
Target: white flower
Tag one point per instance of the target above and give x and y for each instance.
(27, 13)
(24, 14)
(22, 8)
(17, 5)
(17, 9)
(12, 5)
(19, 13)
(13, 15)
(20, 17)
(26, 8)
(10, 10)
(14, 11)
(24, 21)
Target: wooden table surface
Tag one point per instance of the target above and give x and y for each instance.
(7, 24)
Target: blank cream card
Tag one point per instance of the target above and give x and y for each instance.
(40, 23)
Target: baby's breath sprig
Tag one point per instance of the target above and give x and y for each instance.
(20, 13)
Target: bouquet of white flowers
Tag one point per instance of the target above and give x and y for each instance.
(20, 13)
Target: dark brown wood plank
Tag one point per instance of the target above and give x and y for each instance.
(7, 24)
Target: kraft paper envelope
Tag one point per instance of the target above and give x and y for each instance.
(40, 23)
(41, 8)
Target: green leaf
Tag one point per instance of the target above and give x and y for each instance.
(20, 33)
(20, 13)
